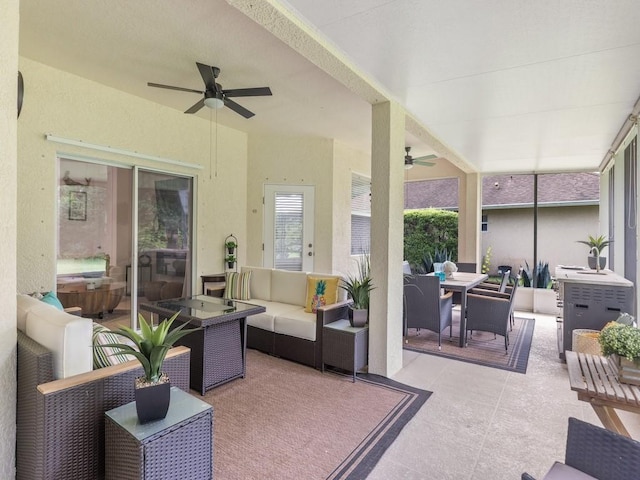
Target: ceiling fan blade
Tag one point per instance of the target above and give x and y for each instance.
(208, 75)
(238, 108)
(426, 157)
(247, 92)
(423, 163)
(197, 106)
(169, 87)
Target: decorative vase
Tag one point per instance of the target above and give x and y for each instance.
(231, 250)
(358, 317)
(152, 401)
(592, 262)
(626, 370)
(230, 264)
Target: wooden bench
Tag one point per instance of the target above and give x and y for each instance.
(595, 381)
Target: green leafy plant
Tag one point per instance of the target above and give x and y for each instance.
(486, 261)
(231, 244)
(440, 255)
(151, 344)
(621, 339)
(230, 258)
(424, 229)
(359, 285)
(539, 278)
(599, 242)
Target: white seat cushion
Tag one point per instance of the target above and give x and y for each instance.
(265, 320)
(560, 471)
(289, 287)
(260, 283)
(68, 337)
(24, 304)
(296, 323)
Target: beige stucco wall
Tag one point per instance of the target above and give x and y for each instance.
(8, 161)
(282, 160)
(75, 108)
(510, 235)
(346, 162)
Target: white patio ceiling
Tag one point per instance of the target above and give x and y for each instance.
(501, 85)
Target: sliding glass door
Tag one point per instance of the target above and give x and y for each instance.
(111, 256)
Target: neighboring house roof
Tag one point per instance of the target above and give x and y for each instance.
(509, 191)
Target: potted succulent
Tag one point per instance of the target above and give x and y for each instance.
(595, 259)
(231, 260)
(150, 347)
(620, 341)
(358, 287)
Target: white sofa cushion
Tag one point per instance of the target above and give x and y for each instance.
(289, 287)
(260, 283)
(24, 304)
(68, 337)
(296, 323)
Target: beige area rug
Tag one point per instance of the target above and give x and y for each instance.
(288, 421)
(483, 347)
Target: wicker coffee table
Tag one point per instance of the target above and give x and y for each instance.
(218, 350)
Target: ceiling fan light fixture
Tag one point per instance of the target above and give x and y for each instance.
(214, 102)
(408, 166)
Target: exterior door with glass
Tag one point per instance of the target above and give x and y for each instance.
(288, 227)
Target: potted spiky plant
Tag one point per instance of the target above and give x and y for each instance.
(150, 347)
(596, 246)
(358, 287)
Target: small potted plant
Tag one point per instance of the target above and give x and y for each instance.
(231, 246)
(150, 347)
(231, 260)
(620, 341)
(595, 259)
(358, 287)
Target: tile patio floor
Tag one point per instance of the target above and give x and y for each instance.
(488, 424)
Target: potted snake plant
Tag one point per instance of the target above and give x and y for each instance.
(358, 287)
(150, 347)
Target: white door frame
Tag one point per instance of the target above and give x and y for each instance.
(268, 233)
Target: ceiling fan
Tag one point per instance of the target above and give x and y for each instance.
(409, 161)
(214, 96)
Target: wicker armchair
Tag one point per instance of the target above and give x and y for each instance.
(424, 307)
(491, 312)
(598, 452)
(60, 423)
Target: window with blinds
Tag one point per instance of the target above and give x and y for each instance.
(360, 214)
(288, 231)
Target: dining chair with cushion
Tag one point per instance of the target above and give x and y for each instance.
(491, 312)
(425, 307)
(595, 452)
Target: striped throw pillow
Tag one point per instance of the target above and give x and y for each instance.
(107, 356)
(237, 286)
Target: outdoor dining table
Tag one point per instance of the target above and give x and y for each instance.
(463, 282)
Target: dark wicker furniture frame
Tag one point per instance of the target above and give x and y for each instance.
(299, 350)
(345, 347)
(60, 423)
(180, 446)
(218, 350)
(599, 452)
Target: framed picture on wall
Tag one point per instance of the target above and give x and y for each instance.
(78, 206)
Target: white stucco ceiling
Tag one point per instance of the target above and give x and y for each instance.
(502, 85)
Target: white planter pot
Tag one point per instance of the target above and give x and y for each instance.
(524, 299)
(545, 301)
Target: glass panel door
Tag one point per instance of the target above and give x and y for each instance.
(165, 205)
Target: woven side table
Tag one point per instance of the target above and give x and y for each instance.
(179, 446)
(345, 347)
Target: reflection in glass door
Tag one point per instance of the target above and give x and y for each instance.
(164, 235)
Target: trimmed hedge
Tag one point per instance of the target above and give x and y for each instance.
(428, 229)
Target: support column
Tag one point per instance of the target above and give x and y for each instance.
(387, 233)
(469, 218)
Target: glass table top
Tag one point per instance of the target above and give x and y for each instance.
(203, 306)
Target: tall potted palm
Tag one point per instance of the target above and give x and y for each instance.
(358, 287)
(150, 347)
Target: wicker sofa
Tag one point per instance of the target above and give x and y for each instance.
(61, 401)
(285, 329)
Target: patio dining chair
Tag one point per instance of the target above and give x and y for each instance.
(491, 312)
(425, 307)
